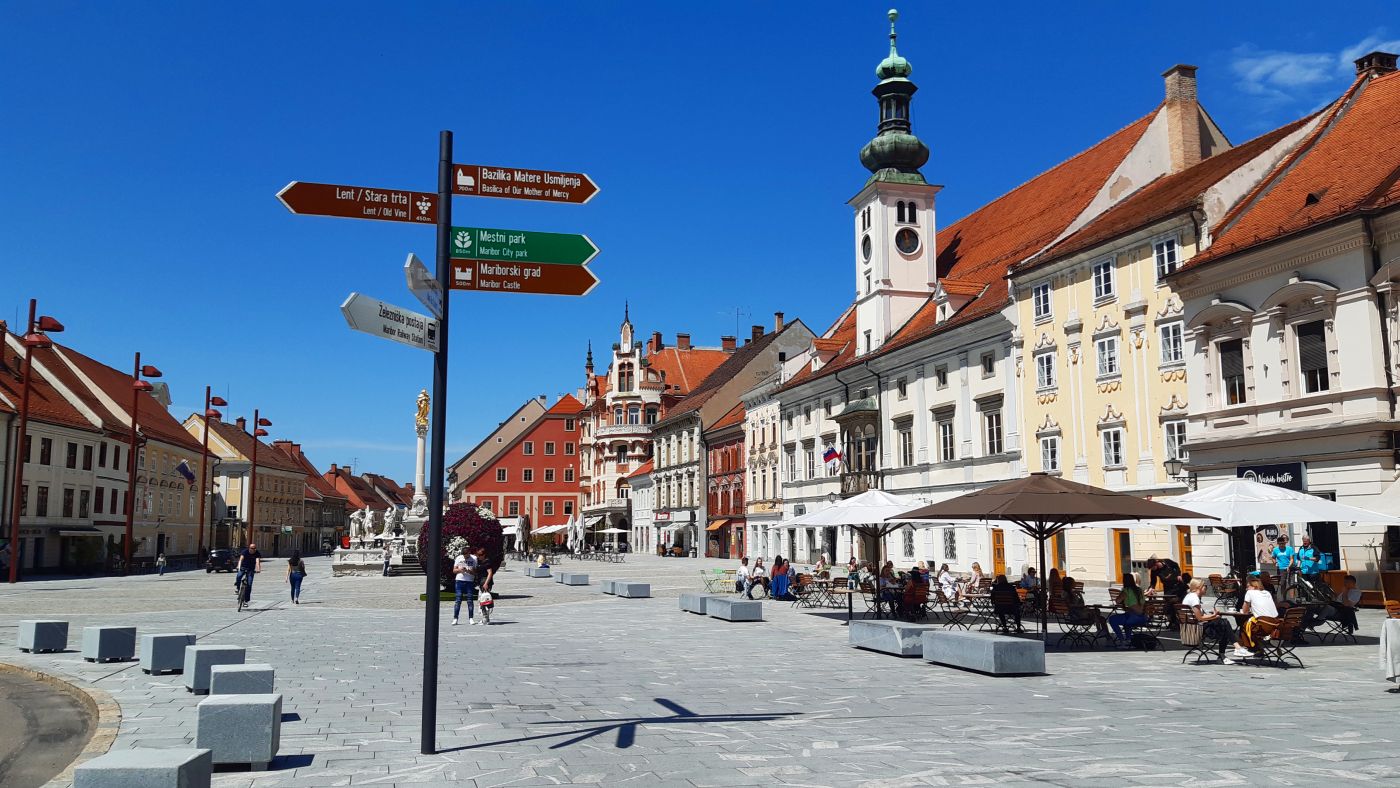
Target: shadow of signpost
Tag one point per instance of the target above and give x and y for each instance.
(627, 727)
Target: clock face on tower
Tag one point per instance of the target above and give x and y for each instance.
(907, 241)
(865, 248)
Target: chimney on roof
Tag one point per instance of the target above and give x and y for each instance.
(756, 332)
(287, 447)
(1375, 64)
(726, 343)
(655, 345)
(334, 468)
(682, 342)
(242, 423)
(778, 322)
(1183, 117)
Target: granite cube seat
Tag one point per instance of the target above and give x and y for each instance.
(109, 644)
(165, 652)
(240, 728)
(146, 768)
(630, 590)
(573, 579)
(559, 577)
(608, 586)
(891, 637)
(984, 652)
(199, 659)
(247, 679)
(43, 635)
(727, 608)
(695, 603)
(537, 571)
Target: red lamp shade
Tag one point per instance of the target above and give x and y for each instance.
(213, 414)
(47, 323)
(37, 341)
(264, 423)
(261, 433)
(149, 371)
(141, 385)
(218, 402)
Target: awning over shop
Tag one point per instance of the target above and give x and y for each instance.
(82, 530)
(716, 525)
(595, 521)
(550, 529)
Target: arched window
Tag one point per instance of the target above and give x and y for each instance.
(900, 211)
(913, 212)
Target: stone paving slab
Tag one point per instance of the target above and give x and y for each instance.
(560, 689)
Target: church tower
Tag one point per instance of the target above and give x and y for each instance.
(895, 244)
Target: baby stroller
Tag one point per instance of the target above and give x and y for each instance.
(487, 603)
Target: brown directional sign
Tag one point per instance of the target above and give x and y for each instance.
(359, 202)
(479, 180)
(540, 278)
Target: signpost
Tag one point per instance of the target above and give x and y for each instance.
(359, 202)
(387, 321)
(477, 180)
(537, 278)
(508, 261)
(423, 284)
(479, 243)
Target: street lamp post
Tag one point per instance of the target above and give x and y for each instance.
(1174, 467)
(137, 386)
(33, 338)
(258, 431)
(210, 402)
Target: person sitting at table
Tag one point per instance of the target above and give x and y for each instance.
(1079, 612)
(947, 583)
(1006, 602)
(1131, 600)
(822, 568)
(778, 579)
(973, 584)
(1264, 621)
(757, 577)
(914, 596)
(921, 569)
(1217, 627)
(851, 566)
(1344, 605)
(1028, 579)
(741, 577)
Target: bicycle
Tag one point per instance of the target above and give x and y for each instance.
(243, 590)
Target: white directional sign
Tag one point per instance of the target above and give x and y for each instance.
(373, 316)
(423, 285)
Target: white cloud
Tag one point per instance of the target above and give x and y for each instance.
(1287, 77)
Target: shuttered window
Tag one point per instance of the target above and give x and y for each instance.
(1232, 371)
(1312, 356)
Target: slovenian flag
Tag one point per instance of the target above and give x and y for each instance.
(831, 455)
(184, 470)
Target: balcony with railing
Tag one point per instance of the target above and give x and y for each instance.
(608, 506)
(857, 482)
(623, 430)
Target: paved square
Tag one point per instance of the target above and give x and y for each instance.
(570, 686)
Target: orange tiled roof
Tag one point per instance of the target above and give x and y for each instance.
(242, 442)
(395, 491)
(839, 338)
(357, 491)
(961, 287)
(1164, 197)
(1349, 164)
(46, 404)
(979, 248)
(721, 374)
(566, 406)
(734, 416)
(643, 469)
(685, 369)
(152, 418)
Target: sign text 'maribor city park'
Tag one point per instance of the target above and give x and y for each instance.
(477, 180)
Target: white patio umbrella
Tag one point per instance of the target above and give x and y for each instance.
(1241, 502)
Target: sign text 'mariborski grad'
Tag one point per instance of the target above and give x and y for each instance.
(538, 278)
(477, 180)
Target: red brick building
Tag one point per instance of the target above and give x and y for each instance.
(724, 455)
(534, 474)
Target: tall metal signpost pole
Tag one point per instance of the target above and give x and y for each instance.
(437, 473)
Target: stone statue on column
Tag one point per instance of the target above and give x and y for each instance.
(419, 506)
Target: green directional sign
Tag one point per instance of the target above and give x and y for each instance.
(480, 243)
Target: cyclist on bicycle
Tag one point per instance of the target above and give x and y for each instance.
(249, 564)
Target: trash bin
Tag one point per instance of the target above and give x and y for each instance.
(692, 552)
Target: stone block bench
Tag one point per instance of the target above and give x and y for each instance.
(733, 609)
(609, 586)
(43, 635)
(109, 644)
(164, 652)
(696, 603)
(629, 590)
(198, 661)
(984, 652)
(891, 637)
(573, 579)
(252, 679)
(146, 768)
(245, 729)
(537, 571)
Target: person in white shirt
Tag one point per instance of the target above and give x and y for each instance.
(947, 583)
(464, 569)
(1216, 627)
(741, 576)
(1264, 622)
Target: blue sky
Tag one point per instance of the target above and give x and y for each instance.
(143, 144)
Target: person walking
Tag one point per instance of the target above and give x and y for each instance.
(160, 565)
(388, 554)
(464, 574)
(296, 572)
